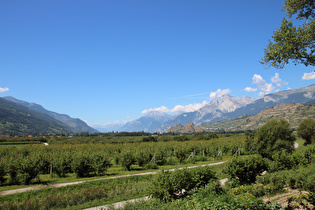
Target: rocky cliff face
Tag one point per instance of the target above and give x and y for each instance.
(180, 129)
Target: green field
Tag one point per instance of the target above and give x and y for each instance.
(94, 158)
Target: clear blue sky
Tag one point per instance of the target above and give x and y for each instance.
(112, 60)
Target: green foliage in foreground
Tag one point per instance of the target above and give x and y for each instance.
(246, 169)
(91, 193)
(306, 130)
(213, 196)
(274, 136)
(24, 164)
(168, 185)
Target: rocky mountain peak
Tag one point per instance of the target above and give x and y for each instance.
(188, 128)
(226, 103)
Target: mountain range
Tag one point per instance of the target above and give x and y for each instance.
(294, 113)
(221, 108)
(24, 117)
(21, 116)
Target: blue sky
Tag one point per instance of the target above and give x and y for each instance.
(106, 61)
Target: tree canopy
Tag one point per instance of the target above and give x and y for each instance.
(306, 130)
(273, 137)
(291, 42)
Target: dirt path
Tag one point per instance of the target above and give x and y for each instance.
(9, 192)
(118, 204)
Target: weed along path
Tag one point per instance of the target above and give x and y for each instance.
(9, 192)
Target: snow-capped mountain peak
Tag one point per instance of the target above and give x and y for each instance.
(226, 103)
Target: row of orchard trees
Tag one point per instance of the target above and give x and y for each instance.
(25, 163)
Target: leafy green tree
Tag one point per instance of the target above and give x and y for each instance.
(290, 42)
(249, 142)
(282, 161)
(100, 163)
(61, 161)
(30, 166)
(81, 164)
(3, 171)
(273, 137)
(306, 130)
(127, 160)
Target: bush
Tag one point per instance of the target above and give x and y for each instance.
(143, 158)
(306, 130)
(181, 138)
(168, 185)
(149, 139)
(282, 160)
(29, 166)
(61, 162)
(202, 175)
(151, 166)
(81, 165)
(273, 137)
(100, 163)
(161, 187)
(246, 169)
(3, 172)
(13, 167)
(257, 190)
(127, 160)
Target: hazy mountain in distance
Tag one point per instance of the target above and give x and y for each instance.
(17, 120)
(150, 122)
(109, 127)
(75, 123)
(225, 107)
(228, 107)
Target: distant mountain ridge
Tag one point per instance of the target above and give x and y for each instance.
(150, 122)
(16, 119)
(237, 106)
(224, 107)
(76, 124)
(294, 113)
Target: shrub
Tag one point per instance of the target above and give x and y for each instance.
(3, 171)
(149, 139)
(306, 130)
(168, 185)
(13, 167)
(151, 166)
(161, 187)
(127, 160)
(202, 175)
(282, 160)
(29, 166)
(181, 138)
(246, 169)
(100, 163)
(81, 165)
(61, 162)
(274, 136)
